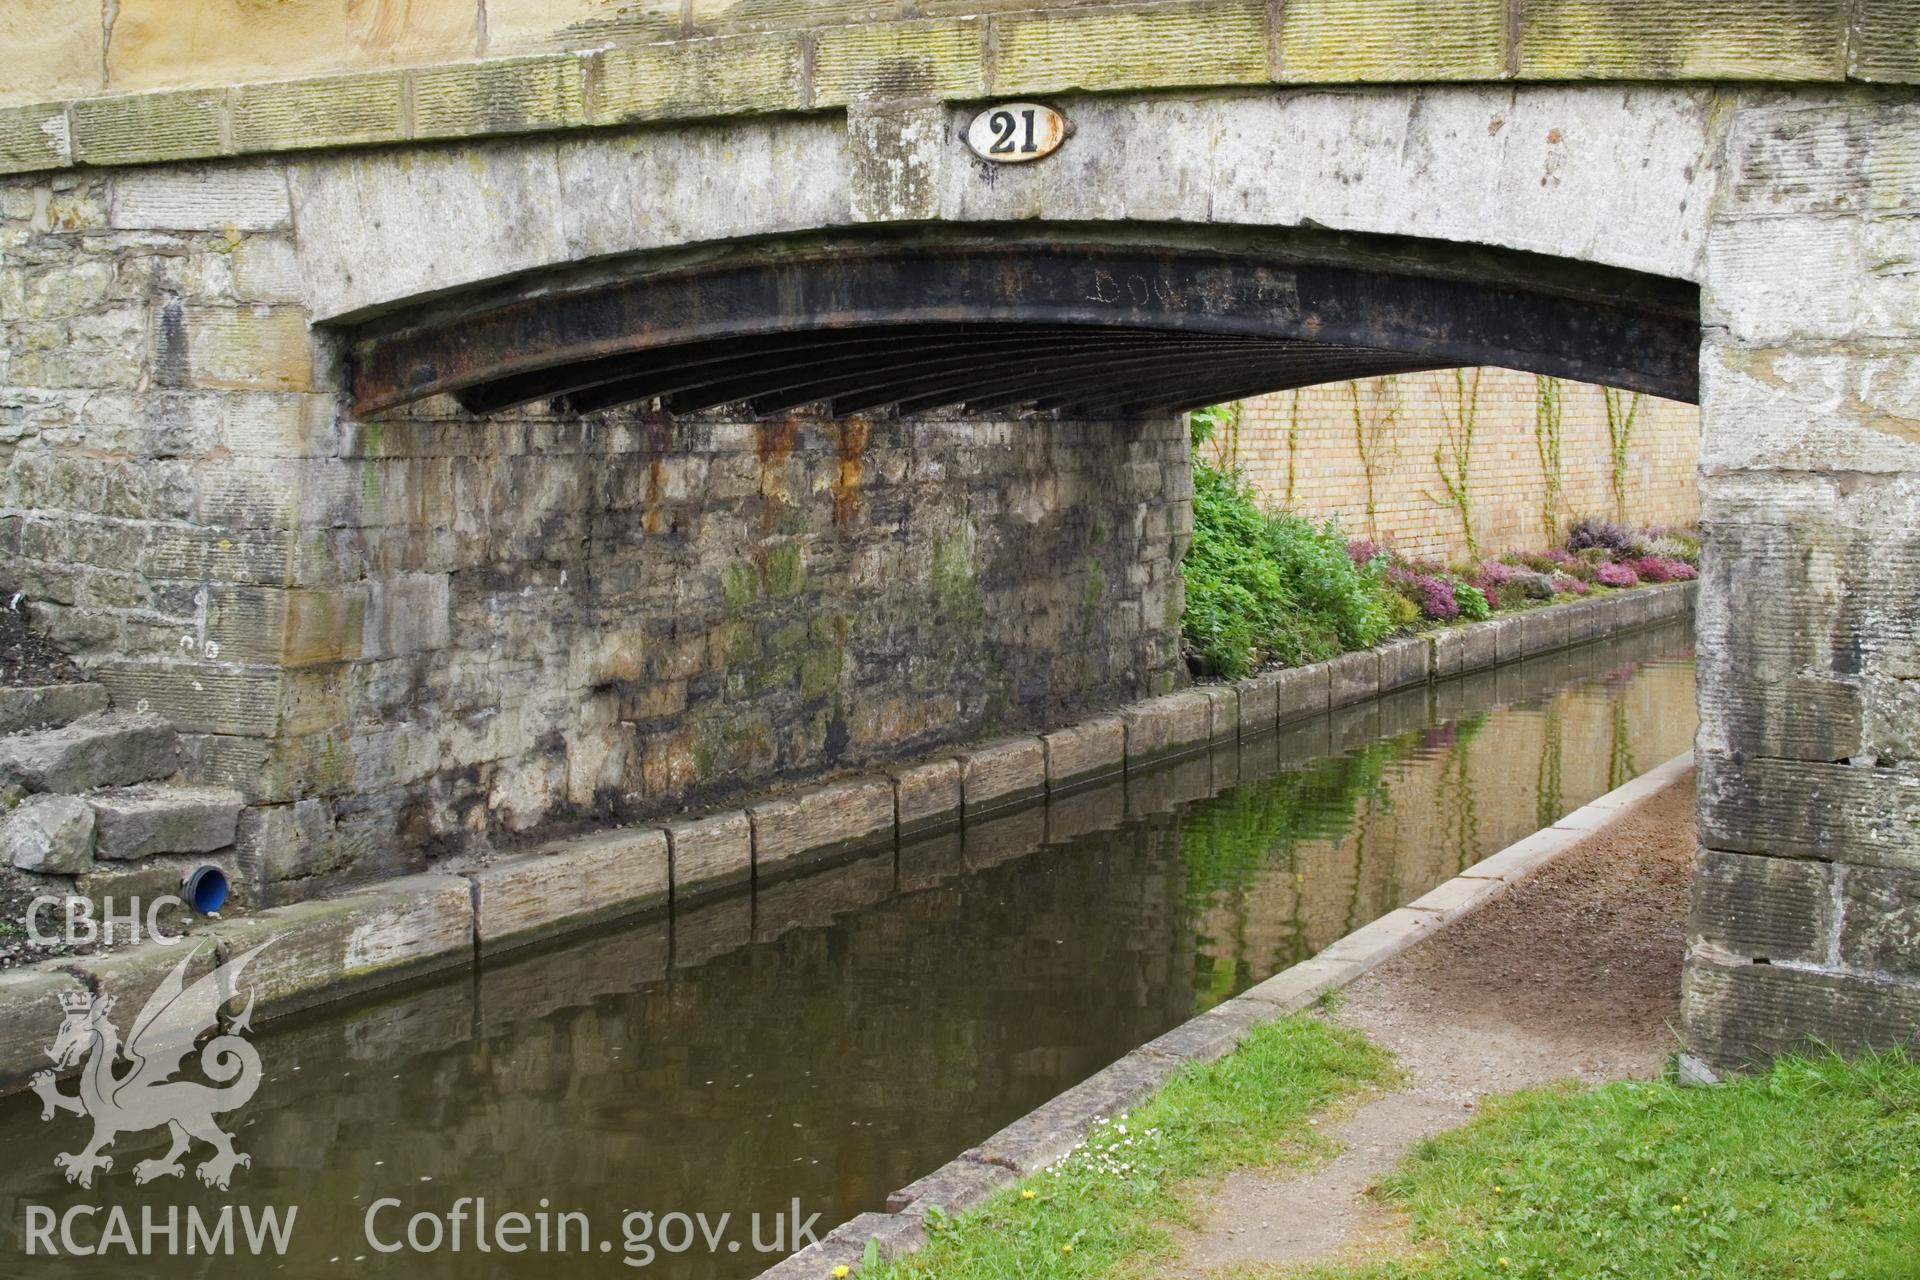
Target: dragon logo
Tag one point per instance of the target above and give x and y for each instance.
(144, 1095)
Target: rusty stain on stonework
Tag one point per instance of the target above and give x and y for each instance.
(852, 442)
(659, 440)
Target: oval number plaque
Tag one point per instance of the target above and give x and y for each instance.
(1015, 132)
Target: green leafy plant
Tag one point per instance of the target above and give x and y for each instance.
(1270, 587)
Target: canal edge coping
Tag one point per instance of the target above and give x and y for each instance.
(1054, 1129)
(332, 948)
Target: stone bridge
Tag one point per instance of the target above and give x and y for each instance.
(511, 413)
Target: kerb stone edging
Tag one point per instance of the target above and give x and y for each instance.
(1044, 1135)
(337, 947)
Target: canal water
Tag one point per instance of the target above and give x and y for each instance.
(832, 1038)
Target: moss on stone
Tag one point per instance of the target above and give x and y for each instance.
(820, 673)
(738, 587)
(1389, 40)
(1683, 39)
(786, 572)
(899, 59)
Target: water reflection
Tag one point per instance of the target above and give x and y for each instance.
(835, 1037)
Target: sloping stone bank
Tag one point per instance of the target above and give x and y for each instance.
(332, 948)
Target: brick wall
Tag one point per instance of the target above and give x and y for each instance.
(1302, 449)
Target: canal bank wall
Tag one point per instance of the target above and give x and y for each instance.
(1045, 1135)
(457, 916)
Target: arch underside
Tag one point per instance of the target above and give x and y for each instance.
(1094, 328)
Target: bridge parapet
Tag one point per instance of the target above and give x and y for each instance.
(562, 67)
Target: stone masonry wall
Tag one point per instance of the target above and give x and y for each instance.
(1301, 449)
(396, 635)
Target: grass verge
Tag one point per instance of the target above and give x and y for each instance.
(1805, 1172)
(1106, 1209)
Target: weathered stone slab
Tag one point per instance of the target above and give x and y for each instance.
(1161, 44)
(1084, 752)
(1302, 692)
(569, 884)
(1881, 914)
(954, 1187)
(1352, 677)
(1005, 772)
(1448, 646)
(710, 853)
(1656, 39)
(110, 749)
(1259, 703)
(1294, 988)
(846, 1245)
(926, 794)
(160, 875)
(1402, 663)
(1760, 908)
(1803, 809)
(331, 947)
(1161, 726)
(819, 823)
(30, 1018)
(132, 822)
(1741, 1015)
(133, 973)
(1049, 1132)
(226, 198)
(1456, 897)
(1225, 714)
(48, 834)
(1384, 938)
(1213, 1034)
(1509, 638)
(48, 705)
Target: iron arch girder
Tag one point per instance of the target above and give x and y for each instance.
(1621, 342)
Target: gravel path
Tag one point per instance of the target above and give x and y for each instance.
(1573, 973)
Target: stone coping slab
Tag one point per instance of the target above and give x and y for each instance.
(1056, 1128)
(333, 948)
(716, 68)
